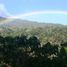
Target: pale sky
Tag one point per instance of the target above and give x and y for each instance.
(27, 7)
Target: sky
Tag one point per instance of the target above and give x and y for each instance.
(36, 10)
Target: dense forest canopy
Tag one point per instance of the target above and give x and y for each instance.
(33, 44)
(54, 34)
(24, 51)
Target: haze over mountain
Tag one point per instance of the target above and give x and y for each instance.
(24, 23)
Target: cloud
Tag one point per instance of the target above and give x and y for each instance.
(3, 11)
(2, 6)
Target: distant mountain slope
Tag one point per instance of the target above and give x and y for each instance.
(19, 23)
(54, 33)
(25, 23)
(2, 19)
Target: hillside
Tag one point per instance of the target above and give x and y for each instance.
(25, 23)
(54, 33)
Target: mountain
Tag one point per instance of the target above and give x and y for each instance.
(54, 33)
(2, 18)
(19, 23)
(14, 23)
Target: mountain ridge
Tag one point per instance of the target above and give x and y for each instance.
(26, 23)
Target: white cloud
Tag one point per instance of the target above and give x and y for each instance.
(3, 11)
(2, 6)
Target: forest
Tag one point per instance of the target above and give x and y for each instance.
(26, 51)
(31, 44)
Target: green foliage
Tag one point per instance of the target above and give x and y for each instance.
(55, 34)
(24, 51)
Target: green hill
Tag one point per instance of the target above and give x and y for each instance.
(54, 33)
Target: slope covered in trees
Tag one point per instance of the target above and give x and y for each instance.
(24, 51)
(34, 44)
(52, 33)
